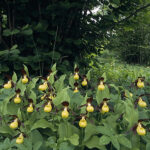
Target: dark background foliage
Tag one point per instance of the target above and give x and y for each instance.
(38, 33)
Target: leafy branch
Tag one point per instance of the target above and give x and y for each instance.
(134, 13)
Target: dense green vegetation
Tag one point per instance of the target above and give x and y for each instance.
(96, 97)
(33, 113)
(132, 41)
(37, 34)
(117, 71)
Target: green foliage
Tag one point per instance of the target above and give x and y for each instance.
(42, 130)
(131, 40)
(56, 31)
(117, 71)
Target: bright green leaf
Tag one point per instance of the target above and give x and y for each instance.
(14, 77)
(104, 140)
(74, 139)
(88, 75)
(124, 141)
(94, 143)
(59, 84)
(53, 68)
(115, 142)
(71, 81)
(89, 131)
(26, 69)
(52, 77)
(42, 123)
(62, 96)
